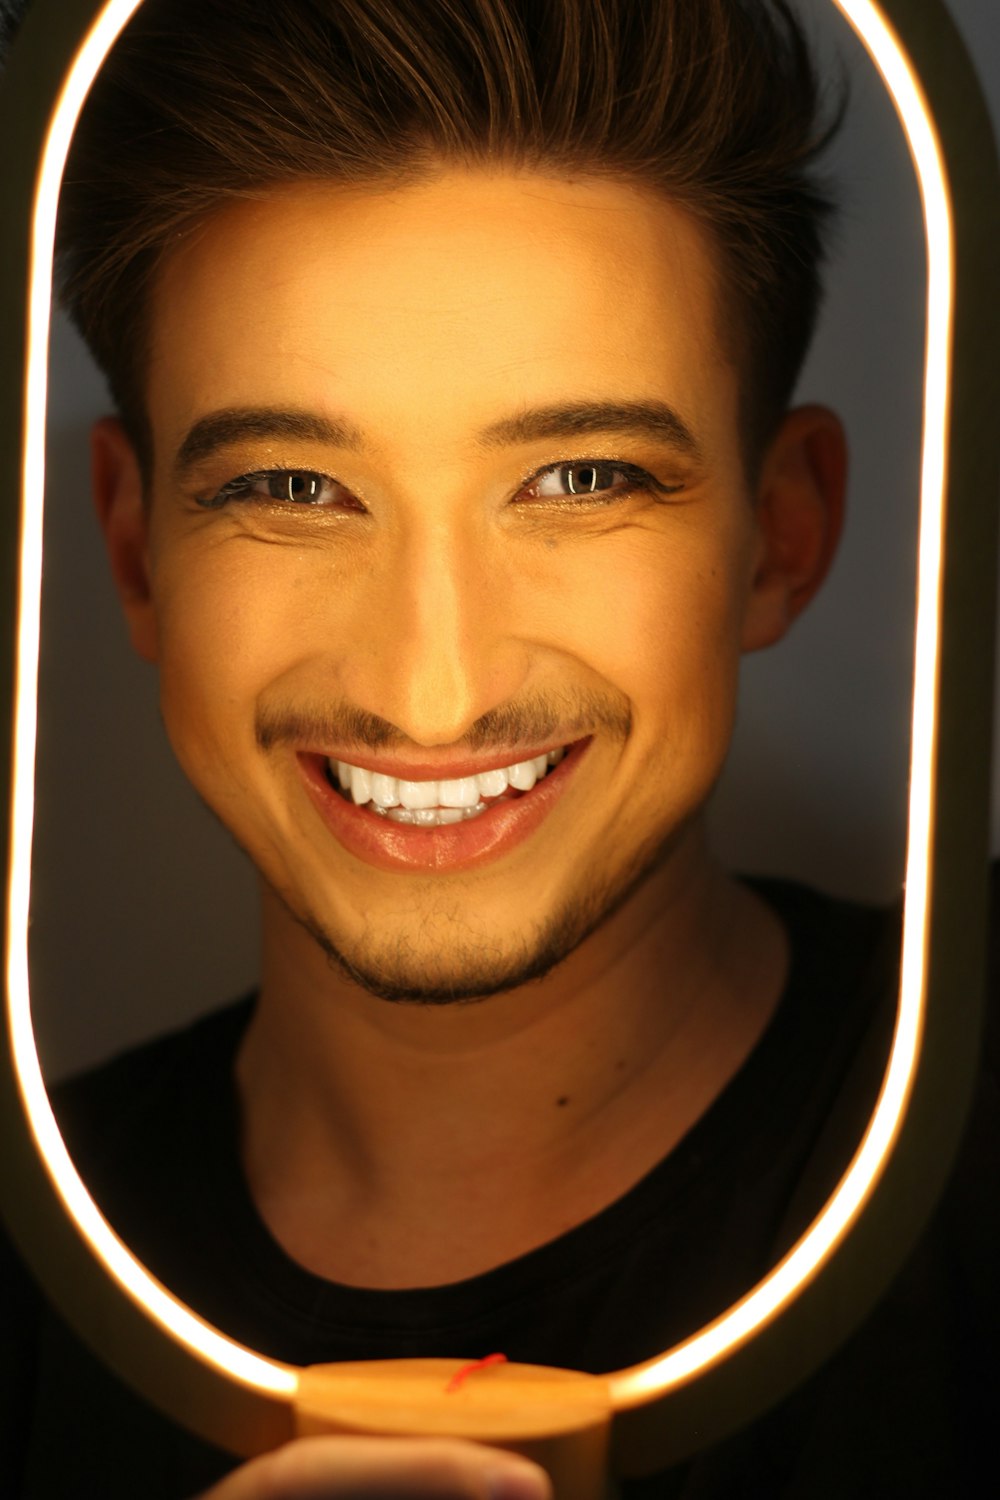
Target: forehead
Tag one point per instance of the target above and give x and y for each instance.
(449, 299)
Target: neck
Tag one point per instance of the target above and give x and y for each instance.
(451, 1138)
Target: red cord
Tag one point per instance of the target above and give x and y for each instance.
(461, 1376)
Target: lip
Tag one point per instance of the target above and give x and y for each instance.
(452, 847)
(452, 770)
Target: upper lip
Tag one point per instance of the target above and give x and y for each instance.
(441, 770)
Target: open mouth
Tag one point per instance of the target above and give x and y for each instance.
(429, 804)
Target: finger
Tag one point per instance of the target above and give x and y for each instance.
(348, 1468)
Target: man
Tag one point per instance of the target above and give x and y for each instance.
(453, 349)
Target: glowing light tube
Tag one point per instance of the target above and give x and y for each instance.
(740, 1322)
(172, 1315)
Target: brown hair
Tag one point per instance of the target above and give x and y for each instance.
(713, 103)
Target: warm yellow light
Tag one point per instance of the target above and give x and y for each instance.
(241, 1364)
(642, 1382)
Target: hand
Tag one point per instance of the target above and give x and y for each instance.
(354, 1468)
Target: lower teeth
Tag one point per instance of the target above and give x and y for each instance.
(427, 817)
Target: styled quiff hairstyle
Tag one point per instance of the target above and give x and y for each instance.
(713, 103)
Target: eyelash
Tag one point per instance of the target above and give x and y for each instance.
(637, 479)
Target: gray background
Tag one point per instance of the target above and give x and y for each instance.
(144, 913)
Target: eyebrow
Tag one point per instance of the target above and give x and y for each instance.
(646, 419)
(220, 429)
(578, 418)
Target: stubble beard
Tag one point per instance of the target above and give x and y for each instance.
(389, 968)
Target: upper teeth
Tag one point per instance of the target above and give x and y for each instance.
(464, 791)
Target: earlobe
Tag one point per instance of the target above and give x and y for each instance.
(799, 509)
(117, 486)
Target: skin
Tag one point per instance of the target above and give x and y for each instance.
(614, 976)
(372, 1469)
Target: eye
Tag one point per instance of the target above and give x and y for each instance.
(597, 481)
(293, 486)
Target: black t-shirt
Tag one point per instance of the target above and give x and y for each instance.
(905, 1409)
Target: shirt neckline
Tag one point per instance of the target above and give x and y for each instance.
(770, 1086)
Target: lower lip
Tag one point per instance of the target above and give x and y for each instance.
(450, 847)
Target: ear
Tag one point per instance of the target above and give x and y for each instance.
(799, 508)
(117, 486)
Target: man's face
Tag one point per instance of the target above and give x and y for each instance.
(444, 587)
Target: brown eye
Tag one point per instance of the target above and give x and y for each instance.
(579, 479)
(302, 488)
(293, 486)
(600, 481)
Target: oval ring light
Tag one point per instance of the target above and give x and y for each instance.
(583, 1428)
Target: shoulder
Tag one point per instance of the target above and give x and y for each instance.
(906, 1407)
(835, 941)
(139, 1126)
(134, 1085)
(133, 1125)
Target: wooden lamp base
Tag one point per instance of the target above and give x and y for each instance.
(559, 1418)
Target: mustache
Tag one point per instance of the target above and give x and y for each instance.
(530, 722)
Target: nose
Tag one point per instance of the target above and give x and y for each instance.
(439, 641)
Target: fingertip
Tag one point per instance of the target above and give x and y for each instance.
(519, 1481)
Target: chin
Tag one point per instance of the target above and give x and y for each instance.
(460, 968)
(443, 960)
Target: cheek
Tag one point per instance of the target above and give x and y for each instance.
(223, 632)
(672, 623)
(679, 645)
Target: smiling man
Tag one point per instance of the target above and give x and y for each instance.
(448, 637)
(453, 475)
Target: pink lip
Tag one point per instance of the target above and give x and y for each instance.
(429, 770)
(451, 847)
